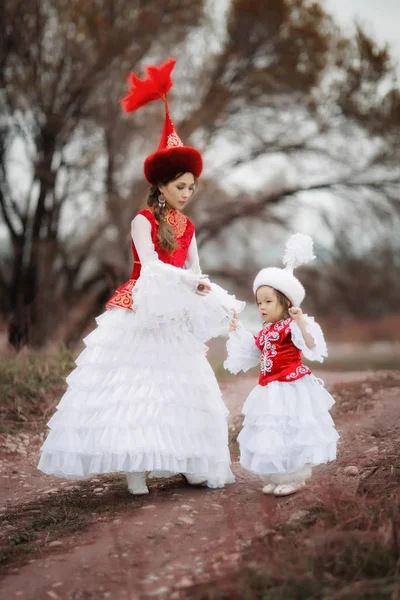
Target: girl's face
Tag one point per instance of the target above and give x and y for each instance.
(269, 307)
(178, 193)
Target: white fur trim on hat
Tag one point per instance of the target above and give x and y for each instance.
(282, 280)
(298, 251)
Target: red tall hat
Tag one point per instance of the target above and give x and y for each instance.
(171, 157)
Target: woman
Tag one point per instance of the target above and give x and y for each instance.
(143, 396)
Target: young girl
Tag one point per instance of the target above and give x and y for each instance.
(143, 396)
(287, 427)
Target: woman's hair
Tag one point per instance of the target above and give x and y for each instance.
(284, 302)
(165, 235)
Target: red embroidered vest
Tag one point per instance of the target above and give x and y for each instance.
(280, 358)
(183, 230)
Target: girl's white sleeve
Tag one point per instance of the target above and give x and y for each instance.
(192, 261)
(319, 351)
(243, 354)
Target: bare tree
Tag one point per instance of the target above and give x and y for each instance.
(358, 274)
(337, 120)
(280, 80)
(61, 69)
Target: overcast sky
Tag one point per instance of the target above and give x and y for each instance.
(380, 17)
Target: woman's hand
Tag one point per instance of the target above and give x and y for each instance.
(234, 322)
(296, 313)
(204, 286)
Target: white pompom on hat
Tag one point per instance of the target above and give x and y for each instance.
(298, 251)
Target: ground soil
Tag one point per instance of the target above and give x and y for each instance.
(109, 544)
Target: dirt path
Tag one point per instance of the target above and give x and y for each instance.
(117, 546)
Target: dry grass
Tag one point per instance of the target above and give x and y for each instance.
(346, 547)
(29, 383)
(355, 396)
(55, 517)
(343, 550)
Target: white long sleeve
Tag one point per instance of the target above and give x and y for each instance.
(141, 236)
(243, 354)
(320, 351)
(193, 261)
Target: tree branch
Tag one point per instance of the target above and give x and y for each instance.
(7, 217)
(218, 220)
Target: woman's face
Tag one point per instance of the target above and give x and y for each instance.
(178, 193)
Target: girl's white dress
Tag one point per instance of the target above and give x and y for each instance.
(287, 427)
(143, 396)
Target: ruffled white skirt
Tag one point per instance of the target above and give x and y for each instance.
(287, 426)
(140, 399)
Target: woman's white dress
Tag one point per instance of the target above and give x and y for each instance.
(287, 425)
(143, 396)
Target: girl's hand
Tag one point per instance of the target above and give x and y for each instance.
(234, 322)
(204, 286)
(296, 313)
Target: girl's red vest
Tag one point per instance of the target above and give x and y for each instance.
(280, 358)
(183, 230)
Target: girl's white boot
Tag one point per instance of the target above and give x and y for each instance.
(137, 483)
(287, 489)
(269, 484)
(269, 488)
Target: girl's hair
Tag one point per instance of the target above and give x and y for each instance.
(165, 235)
(284, 302)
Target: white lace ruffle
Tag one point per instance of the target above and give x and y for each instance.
(286, 426)
(139, 400)
(320, 351)
(243, 353)
(164, 294)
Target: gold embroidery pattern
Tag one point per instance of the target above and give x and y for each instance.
(123, 296)
(174, 140)
(178, 222)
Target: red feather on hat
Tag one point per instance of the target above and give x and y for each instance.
(156, 85)
(172, 156)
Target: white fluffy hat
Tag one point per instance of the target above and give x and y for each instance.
(298, 251)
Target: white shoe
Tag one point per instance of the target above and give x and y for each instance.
(269, 488)
(194, 479)
(161, 474)
(286, 489)
(137, 483)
